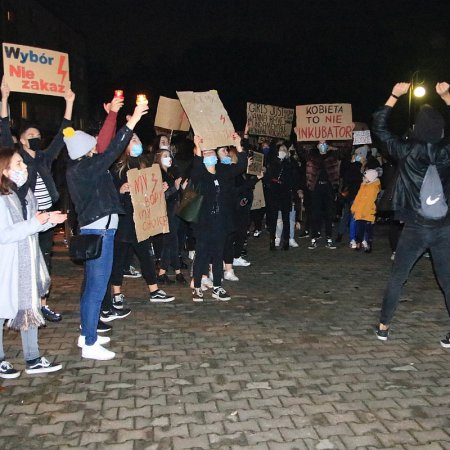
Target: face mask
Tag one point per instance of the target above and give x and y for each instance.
(266, 150)
(358, 158)
(226, 160)
(136, 150)
(35, 144)
(210, 161)
(281, 155)
(18, 176)
(167, 161)
(323, 148)
(164, 147)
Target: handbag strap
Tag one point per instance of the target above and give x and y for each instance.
(107, 223)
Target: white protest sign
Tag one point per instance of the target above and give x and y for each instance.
(208, 118)
(268, 120)
(35, 70)
(362, 137)
(324, 122)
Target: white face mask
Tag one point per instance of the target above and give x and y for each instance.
(18, 176)
(164, 147)
(167, 161)
(282, 155)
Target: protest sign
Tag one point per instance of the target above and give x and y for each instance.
(256, 166)
(258, 196)
(208, 118)
(324, 122)
(362, 137)
(267, 120)
(149, 203)
(35, 70)
(170, 115)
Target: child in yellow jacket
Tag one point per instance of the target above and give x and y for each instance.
(364, 209)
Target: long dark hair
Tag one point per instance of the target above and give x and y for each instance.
(6, 155)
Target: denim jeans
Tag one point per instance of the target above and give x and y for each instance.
(279, 228)
(96, 277)
(347, 221)
(30, 345)
(414, 240)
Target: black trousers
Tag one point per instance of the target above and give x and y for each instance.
(322, 209)
(275, 204)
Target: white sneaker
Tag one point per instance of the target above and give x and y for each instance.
(393, 256)
(230, 275)
(191, 255)
(100, 339)
(352, 244)
(364, 245)
(292, 243)
(96, 351)
(277, 242)
(240, 262)
(207, 283)
(257, 233)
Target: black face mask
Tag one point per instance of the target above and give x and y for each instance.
(35, 144)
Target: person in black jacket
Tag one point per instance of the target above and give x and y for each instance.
(40, 180)
(415, 155)
(97, 204)
(215, 182)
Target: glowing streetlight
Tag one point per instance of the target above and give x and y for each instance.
(419, 91)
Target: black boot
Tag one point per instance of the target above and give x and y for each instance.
(285, 245)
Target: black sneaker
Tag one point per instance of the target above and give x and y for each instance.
(160, 296)
(220, 294)
(118, 301)
(313, 244)
(114, 313)
(330, 244)
(50, 315)
(304, 234)
(103, 327)
(446, 341)
(179, 278)
(197, 295)
(41, 365)
(7, 370)
(132, 273)
(382, 335)
(164, 279)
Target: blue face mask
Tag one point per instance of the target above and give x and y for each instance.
(226, 160)
(136, 150)
(323, 148)
(210, 161)
(358, 158)
(266, 150)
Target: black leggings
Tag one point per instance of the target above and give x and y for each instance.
(146, 261)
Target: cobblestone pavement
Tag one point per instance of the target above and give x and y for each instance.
(290, 363)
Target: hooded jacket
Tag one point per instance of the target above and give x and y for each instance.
(413, 158)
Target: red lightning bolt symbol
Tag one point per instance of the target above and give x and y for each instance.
(62, 60)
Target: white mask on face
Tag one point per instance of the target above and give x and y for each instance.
(167, 161)
(164, 147)
(18, 176)
(282, 155)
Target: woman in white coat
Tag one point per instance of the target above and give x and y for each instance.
(23, 275)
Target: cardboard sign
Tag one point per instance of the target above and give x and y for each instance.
(324, 122)
(267, 120)
(258, 196)
(362, 137)
(149, 203)
(208, 118)
(35, 70)
(256, 166)
(170, 115)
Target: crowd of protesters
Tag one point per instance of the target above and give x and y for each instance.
(324, 192)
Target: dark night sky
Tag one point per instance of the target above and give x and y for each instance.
(276, 52)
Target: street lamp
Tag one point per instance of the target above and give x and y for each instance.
(416, 90)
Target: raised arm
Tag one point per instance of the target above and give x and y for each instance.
(108, 130)
(6, 139)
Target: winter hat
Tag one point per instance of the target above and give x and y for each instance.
(362, 151)
(371, 175)
(429, 125)
(78, 142)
